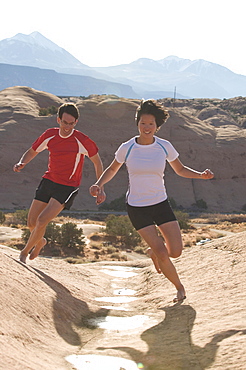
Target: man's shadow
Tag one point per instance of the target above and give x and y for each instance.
(69, 312)
(170, 343)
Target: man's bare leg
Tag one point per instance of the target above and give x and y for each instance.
(51, 210)
(36, 208)
(38, 247)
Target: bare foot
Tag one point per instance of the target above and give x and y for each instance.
(36, 250)
(180, 295)
(154, 259)
(23, 257)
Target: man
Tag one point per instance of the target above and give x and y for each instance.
(59, 186)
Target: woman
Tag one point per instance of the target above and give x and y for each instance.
(147, 204)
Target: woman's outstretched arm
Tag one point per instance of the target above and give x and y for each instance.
(187, 172)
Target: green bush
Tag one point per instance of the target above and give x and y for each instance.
(47, 111)
(183, 219)
(122, 229)
(173, 204)
(140, 250)
(53, 234)
(201, 204)
(20, 216)
(61, 237)
(2, 217)
(118, 204)
(71, 236)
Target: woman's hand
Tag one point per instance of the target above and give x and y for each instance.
(101, 196)
(207, 174)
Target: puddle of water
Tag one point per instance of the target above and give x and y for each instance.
(118, 323)
(92, 362)
(120, 274)
(122, 268)
(121, 308)
(120, 271)
(124, 291)
(116, 299)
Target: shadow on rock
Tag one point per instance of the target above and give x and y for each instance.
(170, 343)
(68, 311)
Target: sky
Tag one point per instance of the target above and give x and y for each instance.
(103, 33)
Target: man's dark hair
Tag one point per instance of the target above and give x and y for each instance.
(154, 108)
(68, 108)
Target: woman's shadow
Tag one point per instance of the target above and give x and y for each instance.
(170, 344)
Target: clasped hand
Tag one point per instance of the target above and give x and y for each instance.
(97, 193)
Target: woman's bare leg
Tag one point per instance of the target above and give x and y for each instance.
(161, 258)
(174, 244)
(154, 258)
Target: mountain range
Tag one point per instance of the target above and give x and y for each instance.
(35, 61)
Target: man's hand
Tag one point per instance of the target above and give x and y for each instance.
(18, 167)
(98, 193)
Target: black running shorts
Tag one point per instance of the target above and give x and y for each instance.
(156, 214)
(48, 189)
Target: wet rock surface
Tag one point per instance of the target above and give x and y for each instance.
(53, 313)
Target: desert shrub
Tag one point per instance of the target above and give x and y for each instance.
(201, 204)
(116, 256)
(172, 203)
(71, 236)
(110, 249)
(47, 111)
(118, 204)
(60, 237)
(183, 219)
(74, 260)
(25, 235)
(122, 229)
(97, 254)
(19, 217)
(139, 249)
(2, 217)
(52, 234)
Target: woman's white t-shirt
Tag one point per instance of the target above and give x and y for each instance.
(146, 165)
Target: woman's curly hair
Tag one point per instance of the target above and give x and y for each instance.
(154, 108)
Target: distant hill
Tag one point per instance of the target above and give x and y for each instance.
(206, 133)
(194, 79)
(145, 77)
(60, 84)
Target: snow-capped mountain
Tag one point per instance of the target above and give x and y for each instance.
(147, 78)
(35, 50)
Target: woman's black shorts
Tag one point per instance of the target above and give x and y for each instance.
(62, 193)
(156, 214)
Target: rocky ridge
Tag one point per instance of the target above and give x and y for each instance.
(208, 133)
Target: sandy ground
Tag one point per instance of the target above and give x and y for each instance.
(53, 312)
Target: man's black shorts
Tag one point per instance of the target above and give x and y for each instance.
(156, 214)
(48, 189)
